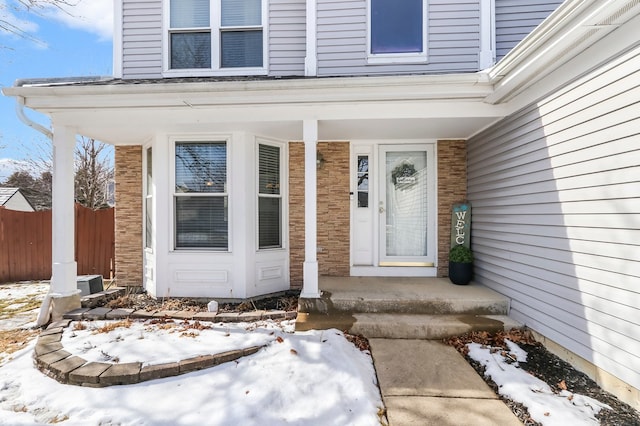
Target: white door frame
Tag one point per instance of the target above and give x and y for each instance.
(368, 264)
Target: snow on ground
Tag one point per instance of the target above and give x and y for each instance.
(12, 314)
(310, 378)
(545, 406)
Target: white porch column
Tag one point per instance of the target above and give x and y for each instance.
(487, 34)
(64, 291)
(310, 268)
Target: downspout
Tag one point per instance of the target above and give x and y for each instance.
(45, 309)
(29, 122)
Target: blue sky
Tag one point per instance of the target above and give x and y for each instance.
(77, 43)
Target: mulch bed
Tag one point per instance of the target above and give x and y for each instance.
(287, 301)
(544, 365)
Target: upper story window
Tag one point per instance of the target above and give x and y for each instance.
(216, 36)
(397, 31)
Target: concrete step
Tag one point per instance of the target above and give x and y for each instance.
(431, 296)
(404, 326)
(427, 327)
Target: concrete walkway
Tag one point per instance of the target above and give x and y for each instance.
(425, 382)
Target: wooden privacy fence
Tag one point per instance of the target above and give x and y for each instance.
(25, 243)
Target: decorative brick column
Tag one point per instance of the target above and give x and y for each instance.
(333, 210)
(452, 188)
(128, 216)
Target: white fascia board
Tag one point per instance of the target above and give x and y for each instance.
(472, 87)
(565, 34)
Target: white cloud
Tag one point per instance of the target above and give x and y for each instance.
(12, 24)
(9, 165)
(93, 16)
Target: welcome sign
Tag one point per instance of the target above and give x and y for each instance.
(461, 225)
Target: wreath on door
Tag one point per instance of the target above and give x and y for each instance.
(404, 174)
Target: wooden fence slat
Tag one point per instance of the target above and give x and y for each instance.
(25, 243)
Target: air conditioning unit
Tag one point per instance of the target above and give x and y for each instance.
(89, 284)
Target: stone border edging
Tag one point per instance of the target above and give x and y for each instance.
(53, 360)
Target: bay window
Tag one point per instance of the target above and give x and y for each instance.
(216, 35)
(200, 196)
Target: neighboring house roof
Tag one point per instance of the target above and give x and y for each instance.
(8, 194)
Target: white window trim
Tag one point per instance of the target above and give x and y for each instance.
(284, 187)
(172, 186)
(398, 58)
(214, 28)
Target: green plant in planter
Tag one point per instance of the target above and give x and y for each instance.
(460, 265)
(460, 254)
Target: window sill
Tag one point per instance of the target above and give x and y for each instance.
(393, 58)
(214, 73)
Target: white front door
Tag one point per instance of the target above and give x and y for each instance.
(406, 205)
(393, 209)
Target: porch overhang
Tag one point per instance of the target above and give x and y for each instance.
(128, 112)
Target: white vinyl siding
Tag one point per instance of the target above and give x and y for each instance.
(555, 191)
(453, 39)
(142, 39)
(515, 19)
(287, 37)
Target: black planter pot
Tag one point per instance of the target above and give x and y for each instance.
(460, 273)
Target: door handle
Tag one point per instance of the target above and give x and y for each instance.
(381, 209)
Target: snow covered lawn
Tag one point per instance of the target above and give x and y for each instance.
(310, 378)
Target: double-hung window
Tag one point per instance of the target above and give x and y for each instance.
(269, 197)
(216, 35)
(201, 201)
(397, 31)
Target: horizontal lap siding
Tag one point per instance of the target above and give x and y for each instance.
(453, 39)
(516, 18)
(287, 37)
(556, 216)
(142, 39)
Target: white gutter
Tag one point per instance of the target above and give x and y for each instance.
(565, 33)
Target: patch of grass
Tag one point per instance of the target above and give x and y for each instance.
(11, 307)
(112, 326)
(14, 340)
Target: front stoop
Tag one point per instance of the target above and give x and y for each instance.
(404, 308)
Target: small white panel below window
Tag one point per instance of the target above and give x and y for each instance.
(201, 277)
(269, 273)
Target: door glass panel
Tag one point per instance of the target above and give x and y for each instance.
(363, 181)
(406, 203)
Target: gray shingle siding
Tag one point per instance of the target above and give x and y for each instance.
(516, 18)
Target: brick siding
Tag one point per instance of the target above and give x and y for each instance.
(333, 210)
(128, 215)
(452, 189)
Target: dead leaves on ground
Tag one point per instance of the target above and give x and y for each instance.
(491, 339)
